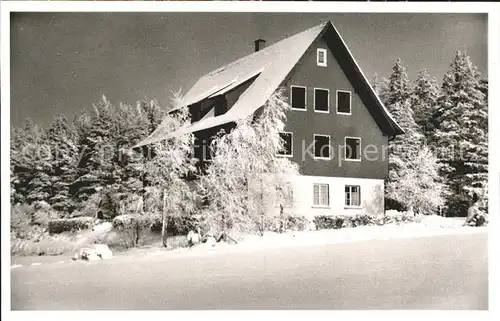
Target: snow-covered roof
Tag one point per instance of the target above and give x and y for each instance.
(270, 66)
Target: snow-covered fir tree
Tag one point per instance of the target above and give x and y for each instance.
(398, 86)
(97, 148)
(403, 148)
(30, 164)
(63, 142)
(419, 188)
(462, 133)
(424, 101)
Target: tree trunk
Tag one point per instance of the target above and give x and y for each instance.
(164, 220)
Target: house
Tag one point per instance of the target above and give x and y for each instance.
(337, 130)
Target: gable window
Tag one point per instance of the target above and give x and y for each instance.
(321, 100)
(352, 195)
(322, 146)
(287, 144)
(321, 57)
(343, 102)
(321, 195)
(353, 148)
(298, 97)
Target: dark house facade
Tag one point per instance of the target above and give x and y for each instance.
(337, 129)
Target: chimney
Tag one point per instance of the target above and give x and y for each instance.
(259, 44)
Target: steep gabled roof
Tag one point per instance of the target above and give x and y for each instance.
(271, 66)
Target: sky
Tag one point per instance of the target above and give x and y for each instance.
(64, 62)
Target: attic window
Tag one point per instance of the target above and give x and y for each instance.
(321, 57)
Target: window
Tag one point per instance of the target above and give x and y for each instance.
(287, 144)
(321, 195)
(352, 195)
(352, 148)
(298, 97)
(321, 100)
(322, 146)
(321, 57)
(343, 102)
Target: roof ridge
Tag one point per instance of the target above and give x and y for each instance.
(263, 51)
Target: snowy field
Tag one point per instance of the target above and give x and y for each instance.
(428, 227)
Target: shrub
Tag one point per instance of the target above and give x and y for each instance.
(88, 208)
(20, 220)
(323, 222)
(287, 223)
(132, 226)
(53, 245)
(340, 221)
(42, 217)
(481, 219)
(362, 220)
(296, 223)
(180, 225)
(70, 224)
(397, 217)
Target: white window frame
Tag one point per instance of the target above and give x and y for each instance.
(328, 102)
(329, 147)
(305, 98)
(291, 147)
(350, 192)
(319, 205)
(324, 63)
(345, 146)
(337, 102)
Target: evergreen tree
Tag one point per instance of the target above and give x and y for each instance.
(462, 133)
(33, 164)
(20, 159)
(95, 166)
(398, 86)
(131, 126)
(424, 101)
(62, 140)
(403, 149)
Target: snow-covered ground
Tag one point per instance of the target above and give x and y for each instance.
(429, 226)
(432, 225)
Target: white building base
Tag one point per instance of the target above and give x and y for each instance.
(371, 197)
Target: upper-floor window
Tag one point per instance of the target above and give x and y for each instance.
(322, 146)
(298, 97)
(321, 100)
(353, 148)
(287, 144)
(321, 57)
(343, 102)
